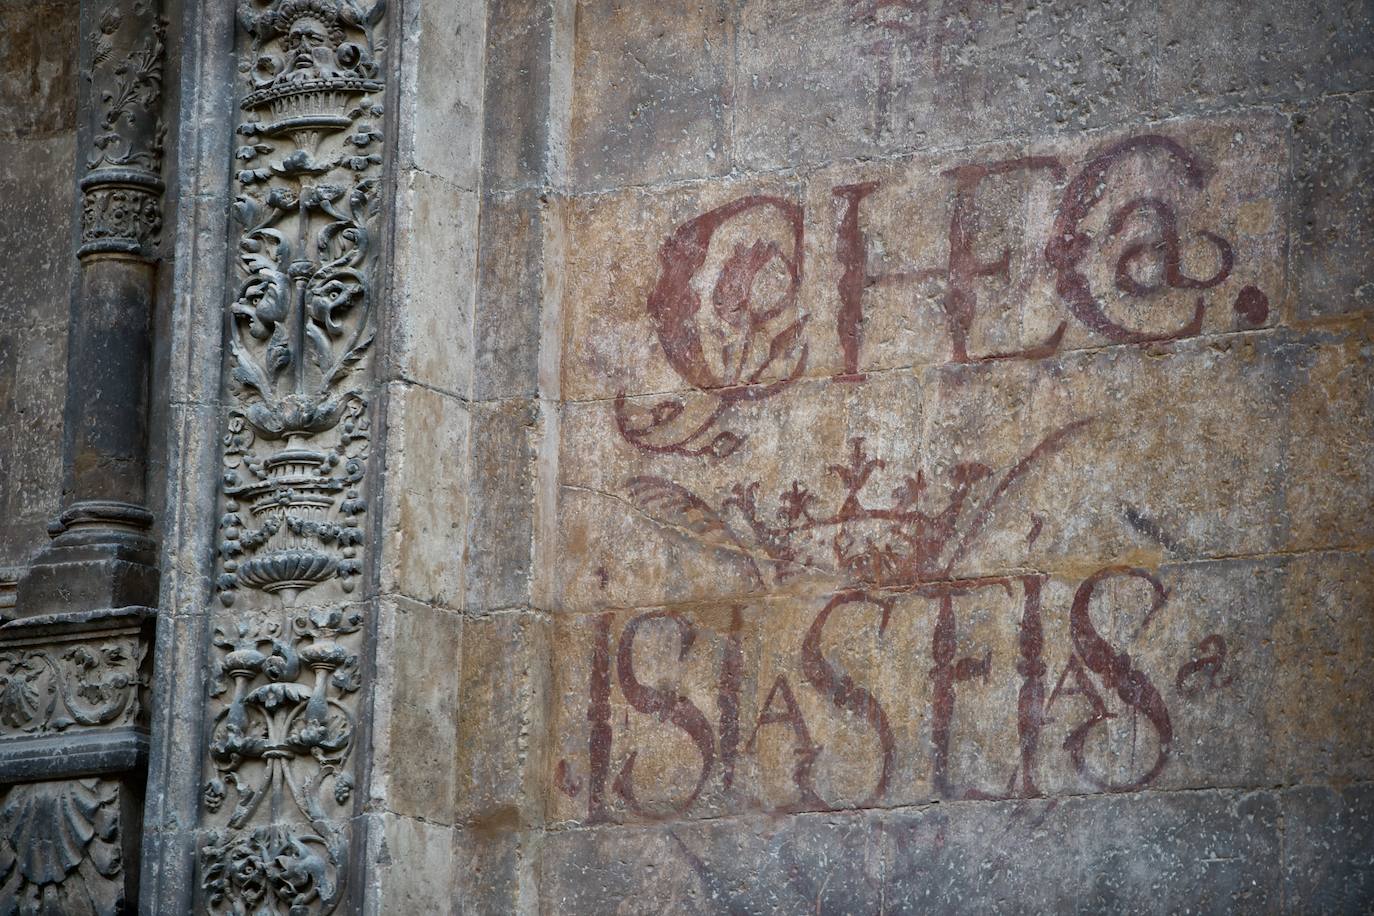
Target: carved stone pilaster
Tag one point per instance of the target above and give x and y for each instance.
(289, 633)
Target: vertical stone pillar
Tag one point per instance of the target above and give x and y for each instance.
(101, 554)
(73, 728)
(289, 657)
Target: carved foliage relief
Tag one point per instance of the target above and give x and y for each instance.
(122, 188)
(91, 683)
(301, 324)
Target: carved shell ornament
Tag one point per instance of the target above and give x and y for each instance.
(60, 847)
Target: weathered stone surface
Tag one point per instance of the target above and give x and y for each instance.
(1328, 848)
(497, 871)
(35, 279)
(416, 742)
(819, 82)
(442, 95)
(510, 295)
(409, 867)
(1258, 52)
(1323, 645)
(1207, 852)
(654, 85)
(502, 720)
(38, 69)
(433, 320)
(425, 515)
(962, 690)
(1330, 461)
(1333, 207)
(517, 105)
(851, 456)
(955, 257)
(1071, 460)
(500, 541)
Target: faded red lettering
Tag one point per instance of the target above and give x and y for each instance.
(599, 717)
(1068, 245)
(841, 690)
(665, 704)
(961, 299)
(805, 749)
(1118, 673)
(946, 673)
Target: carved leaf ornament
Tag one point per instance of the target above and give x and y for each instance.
(300, 328)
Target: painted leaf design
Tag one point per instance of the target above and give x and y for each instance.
(675, 505)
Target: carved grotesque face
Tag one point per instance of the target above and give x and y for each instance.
(306, 35)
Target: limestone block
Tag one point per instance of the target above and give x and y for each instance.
(998, 252)
(34, 302)
(819, 82)
(500, 536)
(415, 743)
(496, 872)
(1323, 647)
(442, 96)
(424, 516)
(410, 867)
(38, 60)
(1328, 835)
(510, 300)
(1249, 52)
(1000, 687)
(502, 721)
(1211, 851)
(517, 103)
(1333, 206)
(1330, 455)
(653, 86)
(437, 254)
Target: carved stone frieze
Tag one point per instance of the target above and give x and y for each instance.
(60, 848)
(50, 689)
(74, 692)
(301, 324)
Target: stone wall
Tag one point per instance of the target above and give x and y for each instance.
(956, 465)
(38, 88)
(738, 456)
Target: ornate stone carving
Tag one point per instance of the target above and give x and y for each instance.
(120, 213)
(60, 848)
(296, 446)
(48, 689)
(122, 189)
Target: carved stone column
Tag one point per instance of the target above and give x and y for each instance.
(74, 658)
(289, 638)
(101, 554)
